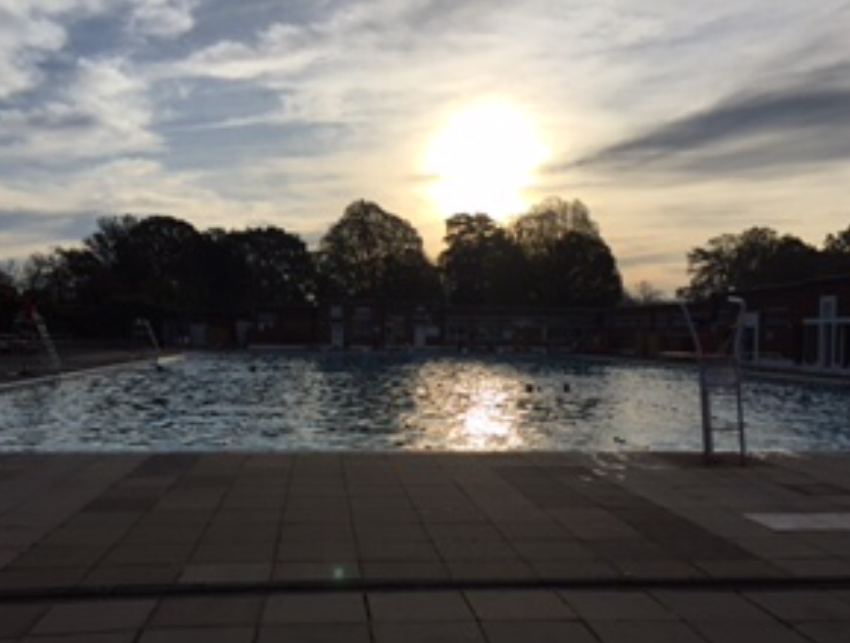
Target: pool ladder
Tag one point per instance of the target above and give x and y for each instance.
(146, 329)
(47, 342)
(720, 377)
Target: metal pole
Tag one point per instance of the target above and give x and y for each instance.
(739, 335)
(705, 402)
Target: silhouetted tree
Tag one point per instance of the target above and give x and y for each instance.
(549, 220)
(9, 298)
(756, 257)
(482, 264)
(836, 253)
(644, 292)
(569, 262)
(372, 254)
(129, 266)
(274, 267)
(45, 279)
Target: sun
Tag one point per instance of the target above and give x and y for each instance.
(482, 159)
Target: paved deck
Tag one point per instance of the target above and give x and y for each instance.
(423, 547)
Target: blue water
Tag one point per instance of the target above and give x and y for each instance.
(401, 401)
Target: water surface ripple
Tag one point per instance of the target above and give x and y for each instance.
(396, 401)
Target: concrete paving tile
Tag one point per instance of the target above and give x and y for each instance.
(199, 635)
(315, 633)
(490, 570)
(129, 575)
(241, 531)
(324, 504)
(301, 490)
(234, 553)
(486, 550)
(803, 521)
(616, 606)
(542, 551)
(825, 632)
(313, 516)
(662, 569)
(548, 530)
(207, 611)
(88, 637)
(528, 605)
(226, 573)
(801, 605)
(398, 552)
(464, 533)
(81, 556)
(8, 554)
(631, 551)
(94, 616)
(385, 516)
(418, 606)
(321, 571)
(42, 577)
(595, 524)
(410, 532)
(108, 522)
(359, 502)
(162, 554)
(574, 570)
(537, 632)
(719, 632)
(295, 532)
(174, 518)
(315, 608)
(19, 537)
(147, 536)
(400, 570)
(736, 569)
(816, 567)
(16, 620)
(428, 632)
(779, 547)
(641, 632)
(452, 515)
(316, 551)
(708, 606)
(366, 491)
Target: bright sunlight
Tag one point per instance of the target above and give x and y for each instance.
(483, 159)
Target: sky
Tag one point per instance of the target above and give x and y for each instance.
(673, 120)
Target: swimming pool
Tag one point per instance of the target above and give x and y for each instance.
(278, 401)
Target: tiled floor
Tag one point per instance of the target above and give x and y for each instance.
(525, 616)
(421, 547)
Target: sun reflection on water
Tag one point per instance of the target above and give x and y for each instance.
(476, 412)
(484, 426)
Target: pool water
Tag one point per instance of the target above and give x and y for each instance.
(394, 401)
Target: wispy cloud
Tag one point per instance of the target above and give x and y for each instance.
(162, 18)
(101, 112)
(761, 131)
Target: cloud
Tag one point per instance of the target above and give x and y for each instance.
(27, 37)
(32, 32)
(60, 225)
(102, 111)
(807, 122)
(162, 18)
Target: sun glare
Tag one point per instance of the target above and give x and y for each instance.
(483, 159)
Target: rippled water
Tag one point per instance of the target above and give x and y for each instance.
(399, 401)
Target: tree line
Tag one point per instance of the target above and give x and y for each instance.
(760, 257)
(161, 267)
(551, 256)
